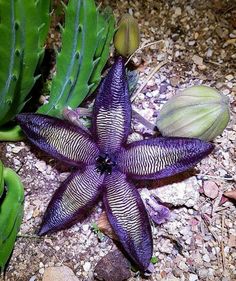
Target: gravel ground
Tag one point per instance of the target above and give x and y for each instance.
(197, 45)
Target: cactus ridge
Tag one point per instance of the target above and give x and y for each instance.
(23, 30)
(106, 37)
(9, 58)
(85, 46)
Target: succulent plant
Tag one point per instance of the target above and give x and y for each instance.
(23, 29)
(11, 212)
(86, 39)
(197, 112)
(105, 165)
(126, 39)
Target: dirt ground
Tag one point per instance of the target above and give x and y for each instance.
(196, 43)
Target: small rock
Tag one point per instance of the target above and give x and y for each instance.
(41, 271)
(203, 273)
(166, 247)
(113, 267)
(201, 67)
(17, 149)
(178, 11)
(174, 81)
(210, 189)
(161, 57)
(41, 166)
(183, 266)
(134, 137)
(85, 228)
(170, 277)
(87, 266)
(197, 60)
(29, 213)
(229, 77)
(206, 258)
(61, 273)
(193, 277)
(209, 53)
(232, 241)
(192, 43)
(223, 33)
(178, 194)
(16, 162)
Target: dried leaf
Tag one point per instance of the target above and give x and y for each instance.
(105, 227)
(231, 194)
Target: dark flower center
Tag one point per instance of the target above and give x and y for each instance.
(104, 164)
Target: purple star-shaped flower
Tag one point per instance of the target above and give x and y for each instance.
(106, 165)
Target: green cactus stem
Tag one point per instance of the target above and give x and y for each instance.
(11, 133)
(85, 47)
(11, 212)
(23, 29)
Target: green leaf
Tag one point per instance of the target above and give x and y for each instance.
(154, 260)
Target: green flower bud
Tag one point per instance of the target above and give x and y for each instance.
(197, 112)
(127, 38)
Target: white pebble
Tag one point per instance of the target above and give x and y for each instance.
(193, 277)
(229, 77)
(178, 11)
(182, 265)
(209, 53)
(41, 166)
(87, 266)
(16, 162)
(197, 60)
(206, 258)
(85, 227)
(41, 271)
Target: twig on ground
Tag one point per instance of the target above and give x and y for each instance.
(142, 120)
(205, 176)
(222, 241)
(30, 236)
(159, 66)
(216, 204)
(143, 47)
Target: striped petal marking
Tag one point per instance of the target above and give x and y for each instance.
(73, 200)
(112, 110)
(161, 157)
(128, 217)
(59, 138)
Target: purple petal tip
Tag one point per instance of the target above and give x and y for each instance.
(44, 229)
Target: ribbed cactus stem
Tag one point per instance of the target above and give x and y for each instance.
(23, 28)
(85, 46)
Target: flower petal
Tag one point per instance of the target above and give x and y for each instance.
(112, 110)
(73, 200)
(59, 138)
(161, 157)
(128, 217)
